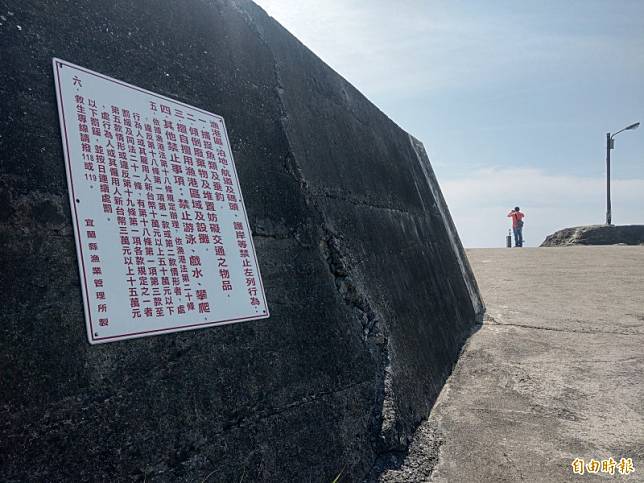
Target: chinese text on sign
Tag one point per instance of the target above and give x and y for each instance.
(161, 230)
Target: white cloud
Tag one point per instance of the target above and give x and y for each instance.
(396, 50)
(480, 202)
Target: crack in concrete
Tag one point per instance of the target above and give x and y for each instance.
(359, 202)
(272, 236)
(490, 321)
(586, 361)
(351, 294)
(259, 416)
(390, 446)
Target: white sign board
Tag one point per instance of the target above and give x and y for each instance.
(161, 230)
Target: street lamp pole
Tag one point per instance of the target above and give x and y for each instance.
(610, 144)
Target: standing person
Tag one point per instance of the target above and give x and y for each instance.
(517, 225)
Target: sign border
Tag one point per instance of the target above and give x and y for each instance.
(58, 64)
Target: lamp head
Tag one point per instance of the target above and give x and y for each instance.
(632, 126)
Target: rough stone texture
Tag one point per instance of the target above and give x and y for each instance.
(554, 373)
(597, 235)
(370, 292)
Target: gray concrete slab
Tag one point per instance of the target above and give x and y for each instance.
(554, 373)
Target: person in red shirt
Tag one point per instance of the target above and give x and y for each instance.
(517, 225)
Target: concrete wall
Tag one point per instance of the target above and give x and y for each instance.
(370, 293)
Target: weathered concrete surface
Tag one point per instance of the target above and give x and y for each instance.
(597, 235)
(370, 293)
(555, 372)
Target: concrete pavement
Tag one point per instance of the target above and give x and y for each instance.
(555, 372)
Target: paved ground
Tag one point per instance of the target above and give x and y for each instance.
(555, 373)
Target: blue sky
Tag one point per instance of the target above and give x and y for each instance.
(511, 99)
